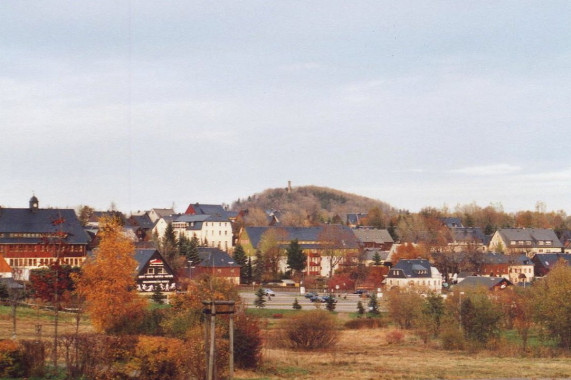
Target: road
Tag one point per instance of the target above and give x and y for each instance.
(284, 300)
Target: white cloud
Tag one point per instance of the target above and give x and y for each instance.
(496, 169)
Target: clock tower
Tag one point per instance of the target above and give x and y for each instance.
(34, 204)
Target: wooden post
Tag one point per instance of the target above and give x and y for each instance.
(212, 341)
(231, 359)
(206, 345)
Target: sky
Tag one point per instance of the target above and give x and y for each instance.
(149, 104)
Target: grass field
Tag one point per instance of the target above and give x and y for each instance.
(366, 354)
(360, 354)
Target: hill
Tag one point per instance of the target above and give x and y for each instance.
(311, 204)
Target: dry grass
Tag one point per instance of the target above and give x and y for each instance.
(28, 318)
(365, 354)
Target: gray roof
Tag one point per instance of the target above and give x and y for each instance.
(41, 221)
(216, 211)
(549, 259)
(411, 268)
(452, 222)
(355, 218)
(530, 234)
(303, 234)
(498, 258)
(142, 221)
(373, 235)
(479, 281)
(143, 255)
(214, 257)
(468, 234)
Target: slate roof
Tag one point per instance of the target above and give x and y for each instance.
(411, 268)
(214, 257)
(309, 235)
(40, 221)
(355, 218)
(143, 221)
(549, 259)
(142, 256)
(530, 234)
(452, 222)
(216, 211)
(478, 281)
(498, 258)
(373, 235)
(467, 234)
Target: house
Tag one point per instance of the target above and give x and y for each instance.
(33, 237)
(451, 222)
(526, 241)
(208, 209)
(515, 268)
(153, 271)
(316, 242)
(354, 220)
(142, 225)
(468, 239)
(374, 238)
(543, 262)
(415, 274)
(157, 213)
(216, 262)
(491, 283)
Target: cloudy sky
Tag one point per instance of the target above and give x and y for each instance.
(416, 103)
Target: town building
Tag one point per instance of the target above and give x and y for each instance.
(153, 272)
(215, 262)
(34, 237)
(525, 240)
(415, 274)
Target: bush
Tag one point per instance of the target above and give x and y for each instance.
(452, 338)
(160, 358)
(247, 342)
(364, 323)
(311, 330)
(11, 359)
(394, 337)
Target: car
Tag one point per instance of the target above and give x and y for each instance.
(310, 295)
(269, 292)
(323, 299)
(327, 298)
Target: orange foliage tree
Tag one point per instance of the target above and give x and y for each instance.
(410, 251)
(107, 282)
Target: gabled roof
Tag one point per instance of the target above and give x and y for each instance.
(216, 211)
(498, 258)
(548, 260)
(143, 221)
(142, 256)
(530, 234)
(4, 267)
(215, 258)
(373, 235)
(479, 281)
(468, 234)
(355, 218)
(307, 235)
(411, 268)
(452, 222)
(41, 221)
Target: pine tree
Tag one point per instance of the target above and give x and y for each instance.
(296, 305)
(240, 259)
(360, 308)
(377, 259)
(330, 303)
(169, 245)
(260, 301)
(374, 304)
(296, 259)
(158, 297)
(249, 271)
(192, 252)
(258, 267)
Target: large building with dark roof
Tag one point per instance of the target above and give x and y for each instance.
(33, 237)
(414, 275)
(526, 241)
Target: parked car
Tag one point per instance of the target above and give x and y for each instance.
(326, 299)
(269, 292)
(310, 295)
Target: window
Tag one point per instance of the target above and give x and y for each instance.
(150, 270)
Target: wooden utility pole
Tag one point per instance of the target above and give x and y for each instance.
(211, 308)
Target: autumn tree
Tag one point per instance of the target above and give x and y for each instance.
(270, 246)
(107, 282)
(84, 213)
(256, 217)
(410, 251)
(336, 243)
(552, 299)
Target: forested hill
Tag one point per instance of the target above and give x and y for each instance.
(310, 202)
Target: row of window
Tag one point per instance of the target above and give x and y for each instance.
(528, 242)
(37, 248)
(35, 262)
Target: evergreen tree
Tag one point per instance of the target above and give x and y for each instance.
(296, 259)
(360, 308)
(377, 259)
(249, 271)
(157, 296)
(330, 303)
(192, 253)
(260, 301)
(240, 259)
(169, 245)
(374, 303)
(258, 267)
(296, 305)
